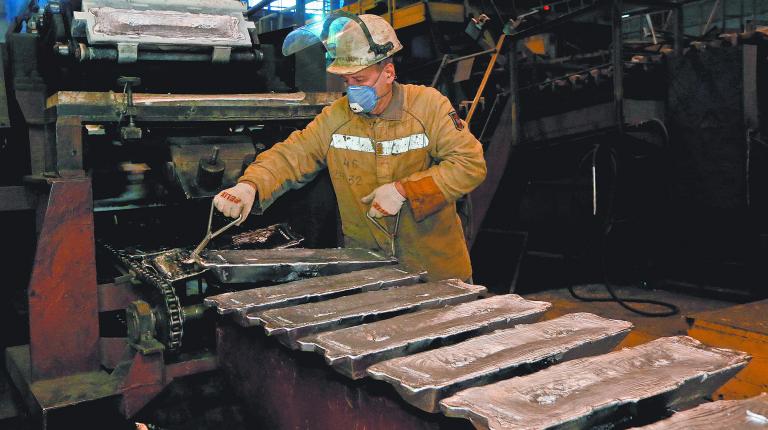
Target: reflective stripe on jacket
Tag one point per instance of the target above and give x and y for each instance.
(418, 140)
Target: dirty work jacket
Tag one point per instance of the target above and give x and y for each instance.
(418, 140)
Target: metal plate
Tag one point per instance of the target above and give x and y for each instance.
(723, 415)
(153, 22)
(171, 265)
(289, 324)
(351, 351)
(581, 393)
(241, 303)
(241, 266)
(426, 378)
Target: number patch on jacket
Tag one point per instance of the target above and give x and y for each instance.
(456, 120)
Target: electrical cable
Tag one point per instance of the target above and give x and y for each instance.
(605, 231)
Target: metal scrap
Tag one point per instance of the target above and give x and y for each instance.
(291, 323)
(352, 350)
(240, 303)
(276, 236)
(241, 266)
(582, 393)
(424, 379)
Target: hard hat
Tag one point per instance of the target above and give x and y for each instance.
(355, 50)
(352, 42)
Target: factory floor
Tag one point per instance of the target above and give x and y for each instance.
(646, 328)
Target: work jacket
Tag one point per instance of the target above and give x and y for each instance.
(418, 140)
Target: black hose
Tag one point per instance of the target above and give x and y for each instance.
(605, 231)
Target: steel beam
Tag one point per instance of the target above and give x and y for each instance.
(63, 298)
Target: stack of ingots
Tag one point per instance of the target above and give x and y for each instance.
(445, 346)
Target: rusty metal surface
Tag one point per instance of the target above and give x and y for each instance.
(352, 350)
(291, 323)
(424, 379)
(666, 372)
(275, 236)
(722, 415)
(241, 303)
(63, 298)
(241, 266)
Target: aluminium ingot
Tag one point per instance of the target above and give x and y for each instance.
(289, 324)
(749, 413)
(240, 303)
(663, 373)
(282, 265)
(352, 350)
(424, 379)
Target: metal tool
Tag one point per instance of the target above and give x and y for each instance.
(208, 235)
(384, 229)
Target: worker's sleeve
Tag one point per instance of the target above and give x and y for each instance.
(292, 163)
(460, 164)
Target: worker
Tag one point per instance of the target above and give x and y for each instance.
(398, 156)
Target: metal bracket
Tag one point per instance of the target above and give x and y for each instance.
(221, 54)
(127, 53)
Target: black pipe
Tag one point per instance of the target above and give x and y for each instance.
(91, 53)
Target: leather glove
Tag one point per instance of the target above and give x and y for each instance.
(385, 200)
(236, 200)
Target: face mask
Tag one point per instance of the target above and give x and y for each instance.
(363, 98)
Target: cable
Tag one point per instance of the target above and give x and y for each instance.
(605, 231)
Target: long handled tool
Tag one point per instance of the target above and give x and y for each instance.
(391, 235)
(209, 235)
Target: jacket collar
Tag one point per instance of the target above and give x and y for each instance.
(394, 110)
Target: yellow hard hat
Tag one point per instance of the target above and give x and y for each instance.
(353, 42)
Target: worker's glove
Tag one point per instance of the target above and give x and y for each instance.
(385, 200)
(236, 200)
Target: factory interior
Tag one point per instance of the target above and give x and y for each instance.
(618, 238)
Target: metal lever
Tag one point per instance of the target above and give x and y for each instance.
(384, 229)
(208, 235)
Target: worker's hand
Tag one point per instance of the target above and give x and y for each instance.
(236, 200)
(385, 200)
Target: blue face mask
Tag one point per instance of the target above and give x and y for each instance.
(363, 98)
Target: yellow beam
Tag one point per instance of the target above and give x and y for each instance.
(413, 14)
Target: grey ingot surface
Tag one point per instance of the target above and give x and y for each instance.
(165, 22)
(721, 415)
(254, 265)
(291, 323)
(352, 350)
(309, 290)
(581, 393)
(424, 379)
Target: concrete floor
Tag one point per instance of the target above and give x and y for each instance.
(646, 328)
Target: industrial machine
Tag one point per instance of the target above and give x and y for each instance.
(134, 115)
